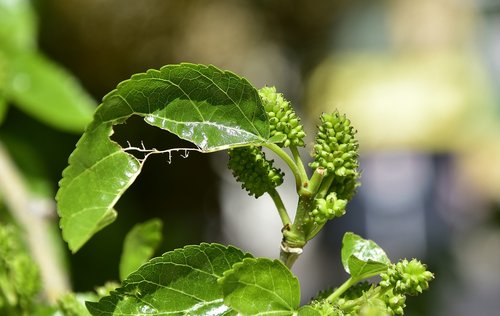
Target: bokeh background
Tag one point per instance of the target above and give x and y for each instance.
(419, 80)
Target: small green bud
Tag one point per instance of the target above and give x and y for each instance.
(283, 120)
(253, 170)
(327, 208)
(407, 277)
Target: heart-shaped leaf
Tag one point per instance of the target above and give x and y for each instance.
(261, 287)
(181, 282)
(362, 258)
(209, 107)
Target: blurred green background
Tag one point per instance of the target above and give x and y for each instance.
(419, 80)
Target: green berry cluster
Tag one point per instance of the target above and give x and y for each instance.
(336, 151)
(395, 303)
(250, 167)
(282, 118)
(327, 208)
(407, 277)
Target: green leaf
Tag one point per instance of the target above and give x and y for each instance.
(140, 245)
(98, 175)
(181, 282)
(47, 92)
(209, 107)
(362, 258)
(261, 287)
(17, 25)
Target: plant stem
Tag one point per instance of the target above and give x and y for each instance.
(299, 164)
(341, 289)
(285, 219)
(316, 180)
(290, 162)
(34, 216)
(289, 255)
(325, 186)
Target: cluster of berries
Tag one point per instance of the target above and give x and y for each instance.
(336, 151)
(283, 120)
(407, 277)
(250, 167)
(327, 208)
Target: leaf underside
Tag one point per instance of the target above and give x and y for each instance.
(181, 282)
(211, 108)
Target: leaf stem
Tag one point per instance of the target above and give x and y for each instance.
(341, 289)
(285, 219)
(289, 161)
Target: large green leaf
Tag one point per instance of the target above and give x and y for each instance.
(47, 92)
(261, 287)
(181, 282)
(140, 245)
(209, 107)
(362, 258)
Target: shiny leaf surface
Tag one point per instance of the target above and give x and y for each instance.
(362, 258)
(209, 107)
(261, 287)
(181, 282)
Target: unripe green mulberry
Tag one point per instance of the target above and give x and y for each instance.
(407, 277)
(327, 208)
(395, 303)
(336, 150)
(253, 170)
(282, 118)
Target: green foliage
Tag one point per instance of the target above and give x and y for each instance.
(19, 275)
(217, 110)
(181, 282)
(32, 82)
(261, 287)
(140, 245)
(71, 304)
(362, 258)
(213, 109)
(256, 174)
(282, 118)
